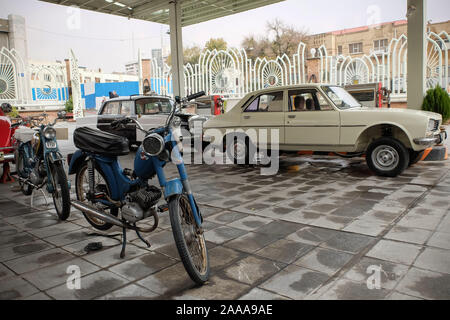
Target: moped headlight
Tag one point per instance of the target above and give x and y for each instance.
(49, 133)
(176, 122)
(153, 144)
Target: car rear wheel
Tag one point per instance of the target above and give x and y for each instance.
(387, 157)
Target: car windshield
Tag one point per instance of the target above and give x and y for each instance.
(341, 98)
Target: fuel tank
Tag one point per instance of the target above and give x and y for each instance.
(143, 165)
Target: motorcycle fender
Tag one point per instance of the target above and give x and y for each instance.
(173, 187)
(77, 159)
(54, 157)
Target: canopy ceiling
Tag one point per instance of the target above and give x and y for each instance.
(193, 11)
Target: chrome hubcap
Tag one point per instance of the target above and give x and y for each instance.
(385, 158)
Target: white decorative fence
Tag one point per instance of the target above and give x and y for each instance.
(230, 72)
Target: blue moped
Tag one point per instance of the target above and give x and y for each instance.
(108, 195)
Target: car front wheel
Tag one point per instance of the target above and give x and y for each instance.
(387, 157)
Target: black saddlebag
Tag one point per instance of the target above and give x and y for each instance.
(100, 142)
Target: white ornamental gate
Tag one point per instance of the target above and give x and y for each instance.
(230, 72)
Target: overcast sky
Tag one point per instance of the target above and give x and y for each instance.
(105, 41)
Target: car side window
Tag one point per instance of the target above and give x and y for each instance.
(307, 100)
(271, 102)
(111, 108)
(125, 109)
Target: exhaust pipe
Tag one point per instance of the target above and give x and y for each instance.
(111, 219)
(100, 215)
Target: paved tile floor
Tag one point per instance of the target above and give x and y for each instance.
(319, 229)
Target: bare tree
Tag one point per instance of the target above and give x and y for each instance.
(280, 39)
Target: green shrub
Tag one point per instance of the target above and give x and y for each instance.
(437, 100)
(69, 105)
(14, 113)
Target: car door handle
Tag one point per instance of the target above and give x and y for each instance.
(247, 117)
(292, 116)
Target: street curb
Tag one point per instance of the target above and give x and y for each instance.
(438, 153)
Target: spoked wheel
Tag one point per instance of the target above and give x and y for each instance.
(61, 193)
(190, 243)
(20, 168)
(82, 189)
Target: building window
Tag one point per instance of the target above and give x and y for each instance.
(355, 48)
(339, 50)
(380, 45)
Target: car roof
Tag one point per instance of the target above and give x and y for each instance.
(137, 97)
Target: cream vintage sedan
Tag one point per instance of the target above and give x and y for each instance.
(325, 118)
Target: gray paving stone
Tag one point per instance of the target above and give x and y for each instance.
(38, 296)
(217, 288)
(111, 256)
(367, 227)
(419, 221)
(324, 260)
(390, 273)
(434, 259)
(223, 234)
(332, 222)
(400, 296)
(16, 288)
(279, 229)
(345, 289)
(142, 266)
(411, 235)
(169, 280)
(38, 260)
(260, 294)
(63, 227)
(24, 249)
(252, 270)
(92, 286)
(349, 242)
(312, 235)
(68, 238)
(5, 272)
(130, 292)
(295, 282)
(250, 223)
(77, 248)
(55, 275)
(226, 217)
(393, 251)
(285, 251)
(220, 257)
(251, 241)
(440, 240)
(425, 284)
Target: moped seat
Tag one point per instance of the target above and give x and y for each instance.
(100, 142)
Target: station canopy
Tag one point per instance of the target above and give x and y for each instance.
(192, 11)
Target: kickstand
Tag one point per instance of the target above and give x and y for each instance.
(124, 242)
(32, 197)
(142, 238)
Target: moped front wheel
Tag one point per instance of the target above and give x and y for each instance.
(189, 240)
(61, 193)
(20, 168)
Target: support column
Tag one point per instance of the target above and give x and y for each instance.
(417, 52)
(176, 48)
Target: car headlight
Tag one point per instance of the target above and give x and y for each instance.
(49, 133)
(433, 125)
(153, 144)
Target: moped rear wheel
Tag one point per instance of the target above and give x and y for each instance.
(190, 242)
(101, 185)
(61, 193)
